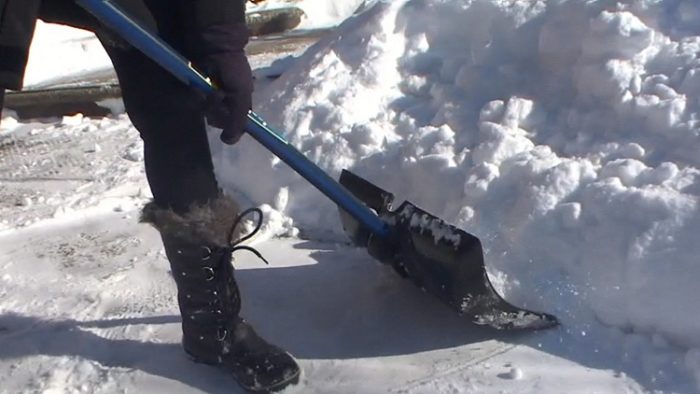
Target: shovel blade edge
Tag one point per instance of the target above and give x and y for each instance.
(441, 259)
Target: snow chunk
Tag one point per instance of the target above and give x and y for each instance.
(618, 35)
(73, 120)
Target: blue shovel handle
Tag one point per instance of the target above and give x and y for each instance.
(160, 52)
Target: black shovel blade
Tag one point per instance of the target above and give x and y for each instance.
(436, 256)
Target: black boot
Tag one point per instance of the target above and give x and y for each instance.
(198, 246)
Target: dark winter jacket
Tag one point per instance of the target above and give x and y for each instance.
(18, 18)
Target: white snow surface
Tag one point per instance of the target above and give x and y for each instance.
(564, 134)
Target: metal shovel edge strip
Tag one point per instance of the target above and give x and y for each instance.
(438, 257)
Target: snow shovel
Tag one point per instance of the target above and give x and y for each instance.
(438, 257)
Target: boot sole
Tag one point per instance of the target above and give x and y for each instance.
(291, 381)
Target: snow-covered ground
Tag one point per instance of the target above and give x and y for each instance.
(564, 134)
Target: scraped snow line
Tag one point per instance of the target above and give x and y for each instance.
(495, 352)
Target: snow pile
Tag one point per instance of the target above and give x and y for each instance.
(564, 134)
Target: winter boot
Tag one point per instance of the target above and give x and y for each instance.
(199, 247)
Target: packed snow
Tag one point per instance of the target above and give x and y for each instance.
(564, 134)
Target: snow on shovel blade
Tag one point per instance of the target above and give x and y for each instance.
(438, 257)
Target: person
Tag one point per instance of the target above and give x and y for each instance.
(196, 221)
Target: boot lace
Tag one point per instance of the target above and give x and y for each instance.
(236, 245)
(224, 319)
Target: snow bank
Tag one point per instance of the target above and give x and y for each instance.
(564, 134)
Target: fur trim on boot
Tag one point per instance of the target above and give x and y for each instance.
(207, 224)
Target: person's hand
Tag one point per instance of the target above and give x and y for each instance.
(223, 59)
(225, 111)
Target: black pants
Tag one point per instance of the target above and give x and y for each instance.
(167, 113)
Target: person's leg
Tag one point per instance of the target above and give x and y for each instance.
(169, 118)
(195, 222)
(194, 218)
(166, 113)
